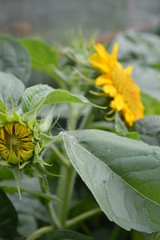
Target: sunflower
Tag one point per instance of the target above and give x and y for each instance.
(16, 143)
(117, 83)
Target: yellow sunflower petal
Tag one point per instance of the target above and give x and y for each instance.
(8, 128)
(110, 90)
(98, 63)
(102, 80)
(118, 103)
(129, 116)
(128, 70)
(102, 52)
(117, 83)
(115, 51)
(2, 134)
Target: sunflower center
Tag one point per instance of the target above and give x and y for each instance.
(16, 143)
(13, 142)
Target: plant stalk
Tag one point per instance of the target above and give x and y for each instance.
(60, 156)
(40, 232)
(83, 217)
(48, 204)
(65, 189)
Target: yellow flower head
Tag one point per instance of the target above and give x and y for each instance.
(117, 83)
(16, 145)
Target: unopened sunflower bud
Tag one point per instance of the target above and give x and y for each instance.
(16, 143)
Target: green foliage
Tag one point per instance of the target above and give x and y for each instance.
(8, 220)
(118, 165)
(10, 87)
(35, 95)
(43, 56)
(149, 129)
(31, 186)
(116, 169)
(14, 58)
(65, 234)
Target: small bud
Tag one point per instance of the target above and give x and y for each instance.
(16, 143)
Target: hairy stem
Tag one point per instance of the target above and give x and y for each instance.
(48, 204)
(60, 156)
(65, 189)
(83, 217)
(40, 232)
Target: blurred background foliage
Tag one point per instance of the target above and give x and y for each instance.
(59, 20)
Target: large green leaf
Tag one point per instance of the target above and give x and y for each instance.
(123, 175)
(64, 235)
(29, 185)
(34, 96)
(10, 87)
(149, 129)
(151, 105)
(14, 58)
(30, 211)
(8, 219)
(138, 46)
(43, 56)
(147, 79)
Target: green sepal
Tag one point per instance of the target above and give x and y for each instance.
(3, 119)
(27, 156)
(40, 161)
(32, 123)
(47, 140)
(12, 158)
(18, 175)
(9, 118)
(44, 171)
(47, 121)
(23, 165)
(4, 163)
(38, 148)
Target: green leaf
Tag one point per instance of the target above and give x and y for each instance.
(149, 129)
(10, 87)
(8, 219)
(64, 235)
(147, 80)
(151, 105)
(34, 96)
(14, 58)
(103, 125)
(30, 211)
(119, 125)
(43, 56)
(138, 46)
(29, 185)
(122, 174)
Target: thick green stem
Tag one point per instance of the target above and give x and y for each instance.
(155, 236)
(115, 233)
(65, 189)
(87, 119)
(60, 156)
(52, 215)
(51, 212)
(83, 217)
(66, 183)
(40, 232)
